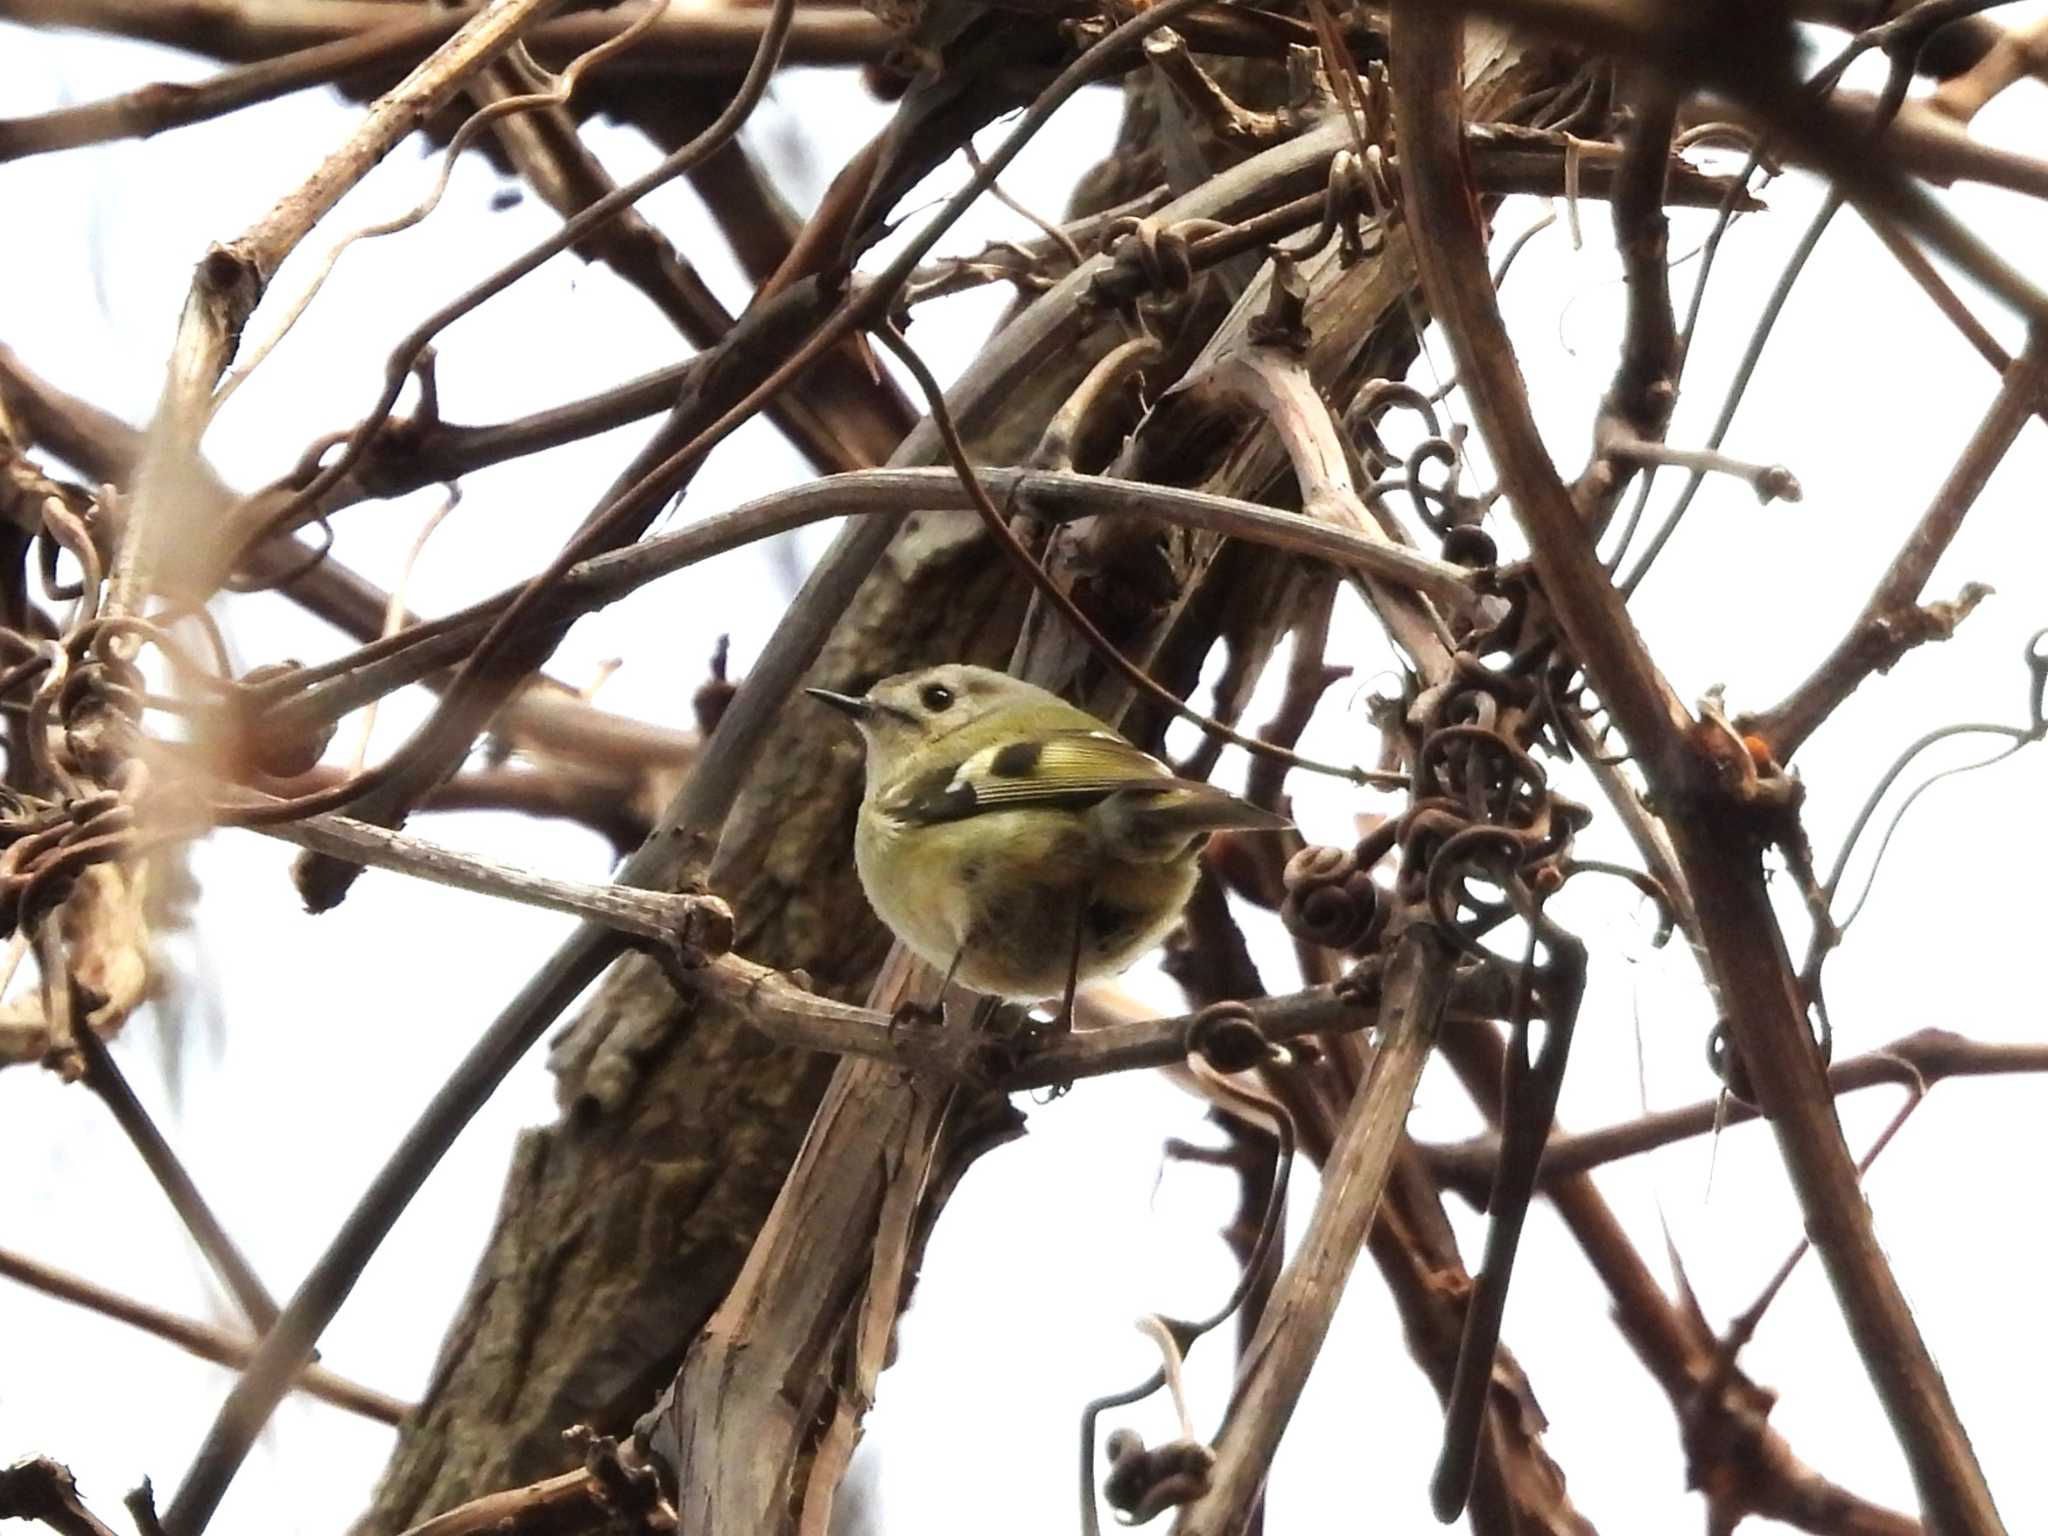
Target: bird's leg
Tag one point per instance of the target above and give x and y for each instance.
(927, 1015)
(1064, 1024)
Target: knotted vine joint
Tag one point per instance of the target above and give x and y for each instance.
(1227, 1037)
(1143, 1484)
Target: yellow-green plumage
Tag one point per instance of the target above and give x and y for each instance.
(1001, 826)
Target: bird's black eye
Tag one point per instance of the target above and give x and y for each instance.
(935, 697)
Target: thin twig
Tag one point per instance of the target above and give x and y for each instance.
(1752, 66)
(103, 1075)
(546, 715)
(573, 1501)
(153, 109)
(689, 43)
(1130, 671)
(1731, 1448)
(201, 1339)
(498, 109)
(449, 731)
(1644, 390)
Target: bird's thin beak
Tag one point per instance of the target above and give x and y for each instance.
(845, 703)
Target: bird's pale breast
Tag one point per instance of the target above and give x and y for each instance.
(1006, 892)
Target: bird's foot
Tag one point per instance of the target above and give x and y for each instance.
(917, 1016)
(1033, 1032)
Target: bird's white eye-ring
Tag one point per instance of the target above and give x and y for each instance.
(935, 697)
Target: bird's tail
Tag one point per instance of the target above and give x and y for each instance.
(1159, 820)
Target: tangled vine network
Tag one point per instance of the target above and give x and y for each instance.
(1199, 427)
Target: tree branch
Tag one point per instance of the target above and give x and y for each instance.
(104, 1077)
(686, 41)
(326, 692)
(1917, 1061)
(697, 927)
(1892, 621)
(546, 715)
(568, 1505)
(41, 1489)
(1644, 392)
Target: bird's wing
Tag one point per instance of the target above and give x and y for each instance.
(1070, 770)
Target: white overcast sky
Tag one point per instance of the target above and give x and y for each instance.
(301, 1048)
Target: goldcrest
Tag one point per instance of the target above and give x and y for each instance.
(1015, 842)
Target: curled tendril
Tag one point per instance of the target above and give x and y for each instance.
(42, 717)
(66, 530)
(2016, 737)
(1331, 899)
(1643, 881)
(1336, 916)
(1355, 192)
(1725, 1062)
(45, 846)
(94, 642)
(1477, 850)
(1482, 811)
(1482, 771)
(216, 643)
(1470, 547)
(1147, 257)
(1361, 421)
(1434, 450)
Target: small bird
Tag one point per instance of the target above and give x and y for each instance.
(1016, 842)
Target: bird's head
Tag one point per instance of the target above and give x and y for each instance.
(900, 715)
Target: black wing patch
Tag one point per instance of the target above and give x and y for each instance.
(940, 795)
(1017, 760)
